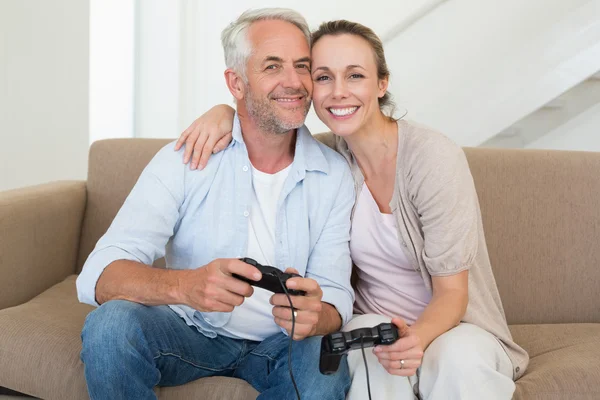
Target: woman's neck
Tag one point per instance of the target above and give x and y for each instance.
(374, 146)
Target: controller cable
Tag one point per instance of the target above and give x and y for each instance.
(291, 339)
(362, 348)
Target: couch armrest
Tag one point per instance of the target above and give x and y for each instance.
(40, 228)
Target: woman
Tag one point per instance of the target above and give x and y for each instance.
(417, 238)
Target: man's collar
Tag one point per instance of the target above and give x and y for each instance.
(308, 155)
(236, 131)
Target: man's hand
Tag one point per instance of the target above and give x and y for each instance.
(212, 288)
(403, 357)
(307, 308)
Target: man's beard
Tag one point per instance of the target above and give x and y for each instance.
(265, 116)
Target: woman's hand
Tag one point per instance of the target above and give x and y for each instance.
(403, 357)
(208, 134)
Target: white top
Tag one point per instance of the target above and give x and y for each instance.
(388, 284)
(253, 320)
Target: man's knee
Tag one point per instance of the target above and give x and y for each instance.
(111, 326)
(334, 386)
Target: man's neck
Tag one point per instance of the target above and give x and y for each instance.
(268, 152)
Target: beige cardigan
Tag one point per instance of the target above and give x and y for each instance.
(435, 197)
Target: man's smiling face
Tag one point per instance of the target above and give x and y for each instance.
(279, 88)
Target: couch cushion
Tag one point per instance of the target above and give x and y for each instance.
(39, 234)
(40, 342)
(40, 345)
(541, 216)
(542, 226)
(215, 388)
(565, 361)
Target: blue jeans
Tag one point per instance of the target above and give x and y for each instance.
(129, 348)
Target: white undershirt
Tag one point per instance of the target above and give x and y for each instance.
(253, 320)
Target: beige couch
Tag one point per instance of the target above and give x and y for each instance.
(542, 218)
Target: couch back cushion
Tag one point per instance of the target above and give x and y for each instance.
(541, 215)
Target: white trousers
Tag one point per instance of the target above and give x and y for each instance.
(464, 363)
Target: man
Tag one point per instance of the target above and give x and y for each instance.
(275, 195)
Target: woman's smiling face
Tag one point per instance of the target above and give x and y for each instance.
(346, 87)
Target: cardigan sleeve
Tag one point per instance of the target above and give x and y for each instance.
(327, 138)
(441, 189)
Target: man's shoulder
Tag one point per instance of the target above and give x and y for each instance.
(166, 156)
(167, 166)
(169, 161)
(167, 153)
(327, 138)
(333, 156)
(336, 162)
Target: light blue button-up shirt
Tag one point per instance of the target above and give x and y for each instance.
(192, 217)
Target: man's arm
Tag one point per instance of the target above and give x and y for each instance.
(329, 321)
(120, 265)
(330, 263)
(209, 288)
(138, 234)
(327, 305)
(134, 281)
(313, 317)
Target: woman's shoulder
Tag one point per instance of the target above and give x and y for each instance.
(420, 137)
(327, 138)
(421, 145)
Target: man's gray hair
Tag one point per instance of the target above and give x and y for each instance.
(235, 41)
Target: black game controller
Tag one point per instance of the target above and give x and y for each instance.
(272, 278)
(335, 345)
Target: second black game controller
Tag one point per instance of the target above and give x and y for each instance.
(272, 278)
(335, 345)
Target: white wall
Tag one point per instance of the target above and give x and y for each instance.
(471, 68)
(43, 91)
(182, 70)
(580, 133)
(157, 105)
(112, 69)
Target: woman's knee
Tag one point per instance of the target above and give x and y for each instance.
(366, 321)
(465, 363)
(459, 349)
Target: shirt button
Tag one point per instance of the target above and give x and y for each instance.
(245, 168)
(517, 370)
(404, 244)
(246, 213)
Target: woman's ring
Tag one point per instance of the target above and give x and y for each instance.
(401, 364)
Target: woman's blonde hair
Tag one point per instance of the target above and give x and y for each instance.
(341, 27)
